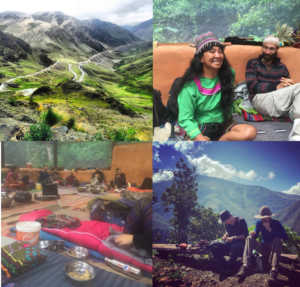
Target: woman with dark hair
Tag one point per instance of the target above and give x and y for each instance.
(205, 96)
(120, 179)
(12, 179)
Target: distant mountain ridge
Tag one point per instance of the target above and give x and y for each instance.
(290, 216)
(56, 30)
(241, 200)
(144, 30)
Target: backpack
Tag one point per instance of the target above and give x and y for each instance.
(160, 112)
(172, 105)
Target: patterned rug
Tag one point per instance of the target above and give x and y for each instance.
(10, 215)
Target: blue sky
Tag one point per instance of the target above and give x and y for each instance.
(274, 165)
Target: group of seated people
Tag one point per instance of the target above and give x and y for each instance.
(238, 242)
(202, 100)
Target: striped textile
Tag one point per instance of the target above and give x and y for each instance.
(205, 39)
(258, 118)
(139, 220)
(260, 80)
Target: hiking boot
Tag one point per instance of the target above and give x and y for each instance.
(244, 271)
(272, 280)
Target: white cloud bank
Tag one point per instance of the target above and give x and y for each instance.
(294, 189)
(212, 168)
(163, 175)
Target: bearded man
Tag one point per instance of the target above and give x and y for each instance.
(272, 91)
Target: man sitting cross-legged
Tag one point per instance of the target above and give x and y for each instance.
(272, 232)
(232, 243)
(272, 91)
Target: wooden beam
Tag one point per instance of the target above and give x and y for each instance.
(172, 249)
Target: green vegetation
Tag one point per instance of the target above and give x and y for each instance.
(11, 101)
(122, 135)
(51, 117)
(71, 123)
(182, 20)
(39, 132)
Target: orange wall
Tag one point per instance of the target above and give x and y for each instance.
(171, 60)
(134, 160)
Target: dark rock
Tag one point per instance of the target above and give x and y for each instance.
(42, 90)
(70, 87)
(5, 114)
(45, 61)
(22, 103)
(13, 85)
(64, 129)
(24, 118)
(96, 95)
(116, 105)
(2, 76)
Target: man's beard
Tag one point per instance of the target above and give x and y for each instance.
(269, 57)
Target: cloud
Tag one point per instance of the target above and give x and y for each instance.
(294, 189)
(212, 168)
(120, 12)
(163, 175)
(156, 156)
(271, 175)
(173, 157)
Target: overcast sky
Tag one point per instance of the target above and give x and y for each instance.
(120, 12)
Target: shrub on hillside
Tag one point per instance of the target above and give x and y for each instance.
(39, 132)
(51, 117)
(122, 135)
(11, 101)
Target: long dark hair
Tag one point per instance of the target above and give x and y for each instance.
(225, 76)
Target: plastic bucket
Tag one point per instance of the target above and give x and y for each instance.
(38, 186)
(28, 231)
(29, 165)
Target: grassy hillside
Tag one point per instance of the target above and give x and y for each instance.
(290, 216)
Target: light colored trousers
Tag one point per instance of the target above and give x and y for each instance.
(280, 103)
(271, 250)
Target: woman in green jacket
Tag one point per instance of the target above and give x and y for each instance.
(205, 97)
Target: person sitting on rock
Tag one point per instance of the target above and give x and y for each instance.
(272, 233)
(233, 242)
(272, 92)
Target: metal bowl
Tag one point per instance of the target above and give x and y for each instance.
(82, 189)
(6, 202)
(45, 244)
(74, 266)
(78, 252)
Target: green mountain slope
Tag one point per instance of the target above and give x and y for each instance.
(290, 216)
(241, 200)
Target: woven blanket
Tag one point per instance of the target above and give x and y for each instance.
(19, 257)
(259, 118)
(59, 221)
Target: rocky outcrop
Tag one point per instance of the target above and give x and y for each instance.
(45, 61)
(70, 87)
(13, 49)
(42, 90)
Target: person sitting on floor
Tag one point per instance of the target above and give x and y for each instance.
(97, 171)
(72, 180)
(12, 178)
(96, 182)
(138, 227)
(204, 97)
(19, 177)
(44, 175)
(270, 248)
(272, 92)
(233, 242)
(57, 177)
(120, 179)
